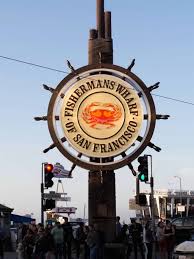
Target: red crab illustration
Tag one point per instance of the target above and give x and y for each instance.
(101, 113)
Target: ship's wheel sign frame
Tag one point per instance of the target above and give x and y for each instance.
(101, 111)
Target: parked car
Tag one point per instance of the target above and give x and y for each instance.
(184, 250)
(184, 228)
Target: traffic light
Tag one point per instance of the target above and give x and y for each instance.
(48, 175)
(49, 204)
(141, 199)
(143, 168)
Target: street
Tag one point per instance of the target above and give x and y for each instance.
(13, 255)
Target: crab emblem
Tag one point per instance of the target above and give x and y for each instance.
(98, 113)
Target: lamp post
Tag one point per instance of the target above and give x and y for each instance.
(180, 188)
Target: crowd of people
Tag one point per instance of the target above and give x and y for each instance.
(144, 236)
(87, 242)
(59, 241)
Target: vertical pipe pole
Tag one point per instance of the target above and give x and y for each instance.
(180, 190)
(108, 33)
(42, 194)
(181, 200)
(152, 206)
(137, 186)
(100, 18)
(102, 208)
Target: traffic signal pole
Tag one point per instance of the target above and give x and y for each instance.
(152, 206)
(137, 187)
(42, 194)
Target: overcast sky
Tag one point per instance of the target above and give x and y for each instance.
(158, 34)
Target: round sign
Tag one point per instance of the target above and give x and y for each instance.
(101, 115)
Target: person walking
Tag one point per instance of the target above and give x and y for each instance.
(136, 231)
(68, 237)
(58, 237)
(92, 242)
(2, 235)
(148, 239)
(169, 238)
(99, 241)
(123, 238)
(40, 248)
(50, 246)
(86, 248)
(118, 226)
(28, 244)
(161, 239)
(79, 238)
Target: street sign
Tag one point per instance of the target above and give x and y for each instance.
(181, 208)
(64, 199)
(60, 172)
(68, 210)
(56, 196)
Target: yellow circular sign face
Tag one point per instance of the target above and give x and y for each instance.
(101, 116)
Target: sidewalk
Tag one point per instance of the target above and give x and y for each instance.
(10, 255)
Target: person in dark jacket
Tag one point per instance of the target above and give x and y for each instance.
(136, 231)
(123, 238)
(68, 237)
(2, 235)
(50, 245)
(169, 238)
(80, 238)
(148, 239)
(28, 243)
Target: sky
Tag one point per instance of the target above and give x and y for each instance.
(158, 34)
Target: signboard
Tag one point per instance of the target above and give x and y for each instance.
(56, 196)
(181, 208)
(60, 172)
(68, 210)
(101, 115)
(64, 199)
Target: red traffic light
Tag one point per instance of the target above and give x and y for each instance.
(48, 168)
(48, 175)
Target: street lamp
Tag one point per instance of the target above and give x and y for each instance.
(180, 182)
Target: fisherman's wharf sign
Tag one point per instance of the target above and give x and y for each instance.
(101, 115)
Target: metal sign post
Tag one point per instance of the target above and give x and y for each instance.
(152, 206)
(101, 184)
(42, 193)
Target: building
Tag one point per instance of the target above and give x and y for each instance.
(168, 204)
(5, 217)
(173, 203)
(5, 221)
(17, 219)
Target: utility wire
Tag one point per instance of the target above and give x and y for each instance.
(65, 72)
(173, 99)
(33, 64)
